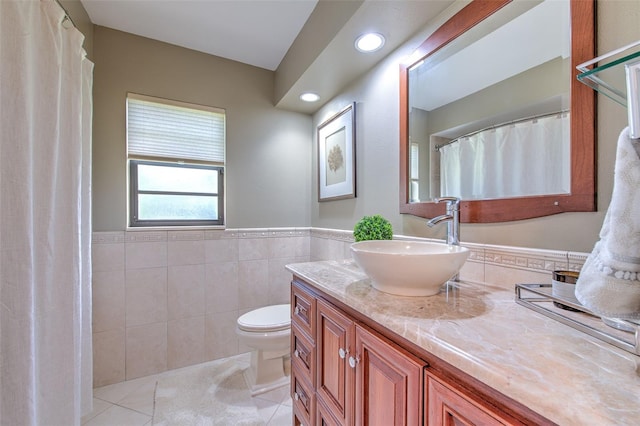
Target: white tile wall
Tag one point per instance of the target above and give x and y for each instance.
(220, 335)
(169, 299)
(185, 342)
(146, 296)
(186, 291)
(108, 300)
(146, 350)
(219, 279)
(109, 356)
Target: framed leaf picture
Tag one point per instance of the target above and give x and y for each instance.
(336, 156)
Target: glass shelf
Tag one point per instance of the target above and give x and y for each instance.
(608, 73)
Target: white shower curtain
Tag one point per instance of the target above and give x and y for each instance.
(45, 228)
(520, 159)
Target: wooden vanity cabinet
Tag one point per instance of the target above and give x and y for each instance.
(334, 378)
(324, 416)
(447, 406)
(304, 399)
(360, 377)
(303, 309)
(348, 370)
(303, 355)
(389, 384)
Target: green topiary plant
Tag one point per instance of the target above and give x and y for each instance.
(373, 227)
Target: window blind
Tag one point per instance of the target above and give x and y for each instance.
(168, 129)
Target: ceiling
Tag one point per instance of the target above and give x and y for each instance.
(308, 43)
(255, 32)
(544, 28)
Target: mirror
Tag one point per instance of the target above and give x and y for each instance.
(475, 131)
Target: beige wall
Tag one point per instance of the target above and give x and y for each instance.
(268, 150)
(272, 176)
(376, 96)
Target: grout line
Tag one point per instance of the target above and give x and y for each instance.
(134, 410)
(153, 412)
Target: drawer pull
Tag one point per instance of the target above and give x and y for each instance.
(301, 396)
(342, 353)
(300, 310)
(353, 361)
(301, 354)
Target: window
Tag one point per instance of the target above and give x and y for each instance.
(414, 174)
(176, 163)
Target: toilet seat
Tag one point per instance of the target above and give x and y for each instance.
(269, 318)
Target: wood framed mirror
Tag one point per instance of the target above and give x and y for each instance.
(581, 197)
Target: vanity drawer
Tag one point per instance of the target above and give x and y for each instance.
(303, 353)
(304, 404)
(303, 309)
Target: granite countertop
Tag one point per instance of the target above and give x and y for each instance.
(561, 373)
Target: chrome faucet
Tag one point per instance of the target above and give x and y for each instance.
(452, 217)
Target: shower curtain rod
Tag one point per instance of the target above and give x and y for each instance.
(67, 16)
(507, 123)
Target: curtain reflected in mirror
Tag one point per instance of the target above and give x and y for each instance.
(525, 158)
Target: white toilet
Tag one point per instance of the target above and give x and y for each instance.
(267, 331)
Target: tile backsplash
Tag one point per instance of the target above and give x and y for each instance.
(168, 299)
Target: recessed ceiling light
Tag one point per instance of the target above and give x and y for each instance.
(309, 97)
(370, 42)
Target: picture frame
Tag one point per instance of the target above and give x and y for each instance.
(337, 156)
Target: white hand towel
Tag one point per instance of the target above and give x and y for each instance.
(609, 283)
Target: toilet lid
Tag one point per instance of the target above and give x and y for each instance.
(269, 318)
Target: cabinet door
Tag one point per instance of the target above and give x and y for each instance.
(324, 417)
(449, 407)
(334, 381)
(389, 386)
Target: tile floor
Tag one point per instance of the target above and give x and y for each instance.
(130, 403)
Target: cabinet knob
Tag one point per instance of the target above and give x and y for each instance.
(296, 353)
(342, 353)
(296, 311)
(296, 396)
(353, 361)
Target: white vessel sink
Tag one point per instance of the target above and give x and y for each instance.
(408, 268)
